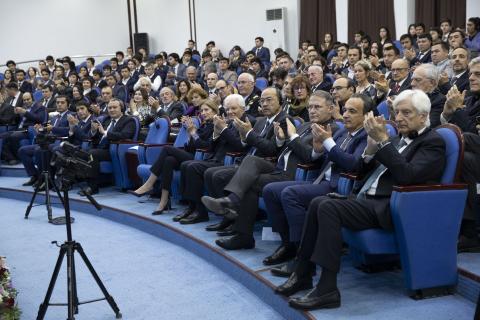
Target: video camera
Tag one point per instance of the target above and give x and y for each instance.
(72, 163)
(44, 139)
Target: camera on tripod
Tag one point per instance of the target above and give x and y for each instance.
(72, 163)
(44, 139)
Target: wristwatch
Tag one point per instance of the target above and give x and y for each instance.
(382, 144)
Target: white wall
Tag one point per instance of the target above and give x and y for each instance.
(341, 7)
(404, 11)
(33, 29)
(228, 23)
(473, 9)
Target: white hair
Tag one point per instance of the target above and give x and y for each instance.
(145, 80)
(431, 71)
(248, 76)
(418, 98)
(235, 98)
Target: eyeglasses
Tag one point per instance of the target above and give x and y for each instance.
(299, 88)
(221, 88)
(399, 69)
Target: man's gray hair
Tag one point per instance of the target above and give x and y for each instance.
(234, 98)
(418, 98)
(431, 71)
(474, 61)
(248, 75)
(325, 95)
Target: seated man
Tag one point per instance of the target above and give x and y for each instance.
(402, 160)
(57, 127)
(80, 125)
(287, 202)
(30, 114)
(261, 141)
(116, 126)
(254, 172)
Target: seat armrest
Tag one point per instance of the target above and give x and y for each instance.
(271, 159)
(351, 176)
(430, 187)
(149, 145)
(204, 150)
(235, 154)
(309, 166)
(127, 141)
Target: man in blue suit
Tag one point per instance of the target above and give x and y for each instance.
(30, 114)
(176, 71)
(287, 202)
(262, 52)
(59, 127)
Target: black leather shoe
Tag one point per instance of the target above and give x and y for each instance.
(220, 206)
(91, 191)
(183, 215)
(227, 232)
(30, 182)
(313, 300)
(294, 284)
(468, 244)
(285, 270)
(219, 226)
(236, 242)
(194, 218)
(282, 254)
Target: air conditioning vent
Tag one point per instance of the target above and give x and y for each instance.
(274, 14)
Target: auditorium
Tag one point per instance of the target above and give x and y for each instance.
(273, 159)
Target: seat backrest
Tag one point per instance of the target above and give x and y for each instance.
(158, 131)
(340, 124)
(137, 128)
(297, 121)
(452, 136)
(1, 76)
(391, 128)
(37, 95)
(182, 136)
(382, 109)
(261, 83)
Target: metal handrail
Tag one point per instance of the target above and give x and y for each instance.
(72, 57)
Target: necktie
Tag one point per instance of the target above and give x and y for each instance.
(262, 134)
(453, 80)
(258, 51)
(56, 120)
(376, 174)
(396, 88)
(103, 140)
(343, 146)
(281, 158)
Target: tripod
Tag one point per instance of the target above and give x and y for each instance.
(48, 181)
(69, 248)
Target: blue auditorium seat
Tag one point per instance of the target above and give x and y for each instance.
(261, 83)
(37, 95)
(382, 109)
(426, 222)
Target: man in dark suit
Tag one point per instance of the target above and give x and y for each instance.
(261, 142)
(13, 99)
(459, 60)
(58, 127)
(127, 81)
(80, 125)
(424, 55)
(30, 114)
(425, 78)
(287, 202)
(115, 127)
(48, 100)
(402, 160)
(317, 81)
(262, 52)
(23, 86)
(465, 112)
(246, 88)
(176, 72)
(254, 173)
(400, 81)
(168, 107)
(118, 89)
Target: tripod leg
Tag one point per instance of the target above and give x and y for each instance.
(74, 282)
(70, 281)
(43, 307)
(46, 178)
(29, 208)
(109, 298)
(54, 185)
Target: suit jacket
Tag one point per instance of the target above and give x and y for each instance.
(7, 114)
(466, 118)
(25, 87)
(174, 111)
(413, 166)
(264, 55)
(180, 75)
(36, 115)
(407, 84)
(124, 129)
(129, 87)
(252, 102)
(325, 85)
(18, 103)
(437, 100)
(60, 124)
(51, 105)
(462, 84)
(427, 58)
(344, 161)
(119, 92)
(264, 142)
(81, 131)
(204, 140)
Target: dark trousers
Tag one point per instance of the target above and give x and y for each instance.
(31, 158)
(11, 144)
(192, 185)
(217, 178)
(471, 175)
(97, 155)
(170, 159)
(253, 174)
(322, 234)
(287, 204)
